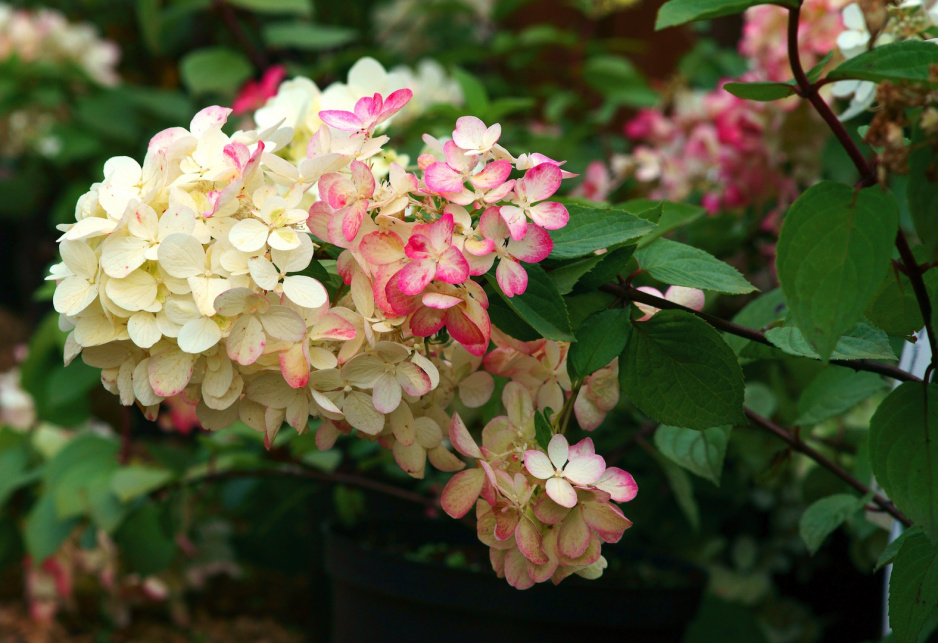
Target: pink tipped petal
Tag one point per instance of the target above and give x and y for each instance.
(516, 570)
(561, 492)
(363, 179)
(386, 394)
(581, 448)
(539, 466)
(294, 366)
(440, 177)
(413, 379)
(426, 322)
(469, 132)
(396, 102)
(461, 492)
(511, 277)
(493, 175)
(690, 297)
(382, 247)
(418, 247)
(415, 276)
(541, 181)
(549, 512)
(439, 300)
(558, 449)
(505, 524)
(352, 219)
(584, 470)
(461, 438)
(452, 267)
(464, 330)
(440, 232)
(550, 215)
(529, 542)
(618, 484)
(535, 246)
(606, 520)
(515, 220)
(344, 121)
(574, 537)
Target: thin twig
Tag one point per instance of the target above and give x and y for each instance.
(867, 171)
(633, 294)
(311, 474)
(798, 445)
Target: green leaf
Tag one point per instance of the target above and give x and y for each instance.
(833, 250)
(678, 264)
(306, 36)
(565, 277)
(683, 489)
(133, 481)
(44, 531)
(144, 542)
(892, 549)
(700, 452)
(758, 314)
(824, 516)
(507, 320)
(214, 70)
(611, 265)
(542, 428)
(863, 341)
(591, 229)
(678, 370)
(760, 91)
(673, 216)
(904, 452)
(913, 588)
(541, 306)
(149, 22)
(834, 391)
(908, 61)
(296, 7)
(922, 192)
(894, 308)
(677, 12)
(13, 464)
(600, 340)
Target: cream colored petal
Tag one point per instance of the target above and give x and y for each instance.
(181, 255)
(284, 323)
(263, 272)
(143, 329)
(170, 372)
(73, 295)
(284, 239)
(296, 259)
(305, 291)
(199, 335)
(79, 258)
(249, 235)
(122, 255)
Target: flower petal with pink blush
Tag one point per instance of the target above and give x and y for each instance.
(606, 520)
(246, 341)
(465, 331)
(574, 537)
(469, 132)
(416, 276)
(538, 465)
(480, 265)
(550, 215)
(559, 450)
(439, 301)
(645, 308)
(561, 492)
(477, 389)
(294, 366)
(363, 179)
(461, 438)
(514, 218)
(516, 570)
(493, 175)
(212, 116)
(582, 448)
(535, 246)
(395, 102)
(584, 470)
(412, 459)
(341, 120)
(386, 394)
(426, 321)
(382, 247)
(619, 484)
(461, 492)
(529, 542)
(352, 218)
(549, 512)
(690, 297)
(441, 178)
(511, 277)
(541, 181)
(452, 267)
(505, 523)
(169, 372)
(413, 379)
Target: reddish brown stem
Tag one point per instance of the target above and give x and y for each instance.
(633, 294)
(796, 444)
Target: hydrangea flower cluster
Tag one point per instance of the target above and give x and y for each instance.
(47, 36)
(189, 275)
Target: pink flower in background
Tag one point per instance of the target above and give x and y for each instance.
(179, 415)
(254, 93)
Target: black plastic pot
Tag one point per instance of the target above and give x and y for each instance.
(379, 594)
